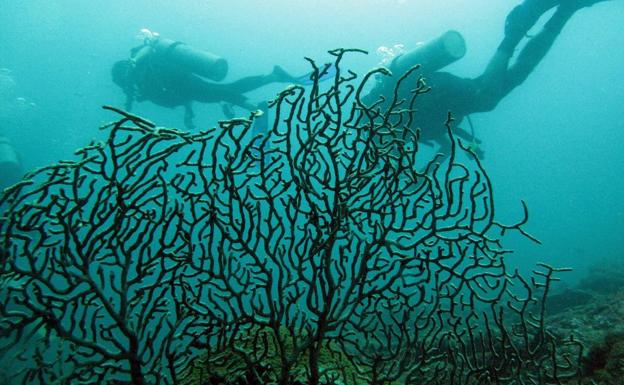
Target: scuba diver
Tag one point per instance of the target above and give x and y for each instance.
(464, 96)
(170, 74)
(10, 165)
(11, 170)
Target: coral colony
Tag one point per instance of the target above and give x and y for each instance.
(328, 250)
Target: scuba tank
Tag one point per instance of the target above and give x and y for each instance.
(10, 165)
(192, 60)
(433, 55)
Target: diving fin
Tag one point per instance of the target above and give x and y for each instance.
(327, 72)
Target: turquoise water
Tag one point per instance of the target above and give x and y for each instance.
(556, 142)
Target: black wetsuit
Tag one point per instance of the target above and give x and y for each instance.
(158, 79)
(155, 75)
(464, 96)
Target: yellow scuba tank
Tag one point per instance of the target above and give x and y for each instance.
(10, 165)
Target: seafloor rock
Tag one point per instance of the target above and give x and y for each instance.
(570, 297)
(229, 366)
(605, 361)
(596, 319)
(599, 324)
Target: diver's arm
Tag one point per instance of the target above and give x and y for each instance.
(188, 116)
(128, 103)
(130, 92)
(463, 134)
(139, 56)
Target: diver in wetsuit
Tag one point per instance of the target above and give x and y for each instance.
(171, 74)
(464, 96)
(11, 170)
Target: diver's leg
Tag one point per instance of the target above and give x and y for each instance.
(536, 48)
(521, 19)
(491, 84)
(526, 14)
(517, 24)
(189, 114)
(206, 92)
(251, 83)
(578, 4)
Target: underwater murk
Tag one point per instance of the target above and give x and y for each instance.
(343, 227)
